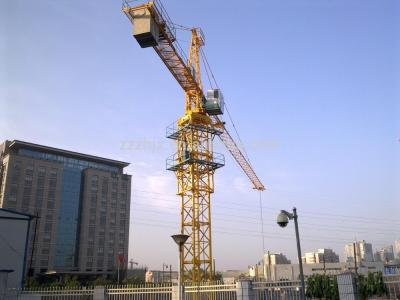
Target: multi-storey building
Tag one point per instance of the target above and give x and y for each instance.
(82, 203)
(362, 249)
(270, 260)
(320, 256)
(275, 259)
(396, 249)
(385, 254)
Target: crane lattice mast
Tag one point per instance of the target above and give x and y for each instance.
(195, 162)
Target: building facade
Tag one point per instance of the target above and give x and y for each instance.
(292, 271)
(320, 256)
(385, 254)
(82, 203)
(270, 260)
(396, 249)
(362, 249)
(275, 259)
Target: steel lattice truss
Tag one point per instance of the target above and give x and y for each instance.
(195, 185)
(239, 157)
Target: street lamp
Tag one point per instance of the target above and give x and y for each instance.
(180, 240)
(283, 220)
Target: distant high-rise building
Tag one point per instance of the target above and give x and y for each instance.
(320, 256)
(363, 252)
(82, 202)
(396, 249)
(385, 254)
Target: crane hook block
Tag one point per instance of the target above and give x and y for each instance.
(145, 28)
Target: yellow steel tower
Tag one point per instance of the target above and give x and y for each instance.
(195, 162)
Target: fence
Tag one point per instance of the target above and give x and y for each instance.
(210, 291)
(241, 290)
(277, 290)
(285, 290)
(52, 293)
(139, 292)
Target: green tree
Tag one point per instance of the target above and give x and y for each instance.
(362, 287)
(380, 287)
(372, 285)
(101, 280)
(322, 287)
(31, 282)
(334, 289)
(70, 281)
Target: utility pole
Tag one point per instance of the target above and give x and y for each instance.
(283, 220)
(323, 257)
(296, 227)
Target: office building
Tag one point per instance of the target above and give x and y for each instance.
(396, 249)
(320, 256)
(362, 249)
(385, 254)
(82, 203)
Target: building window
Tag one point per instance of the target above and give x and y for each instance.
(44, 262)
(48, 227)
(99, 263)
(103, 220)
(16, 174)
(12, 196)
(50, 204)
(51, 195)
(91, 231)
(90, 251)
(46, 238)
(92, 219)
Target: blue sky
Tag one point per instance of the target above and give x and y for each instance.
(312, 85)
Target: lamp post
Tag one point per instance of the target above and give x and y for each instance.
(283, 220)
(180, 240)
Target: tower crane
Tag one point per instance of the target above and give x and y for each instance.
(195, 161)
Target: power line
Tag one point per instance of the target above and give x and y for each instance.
(250, 233)
(244, 219)
(314, 214)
